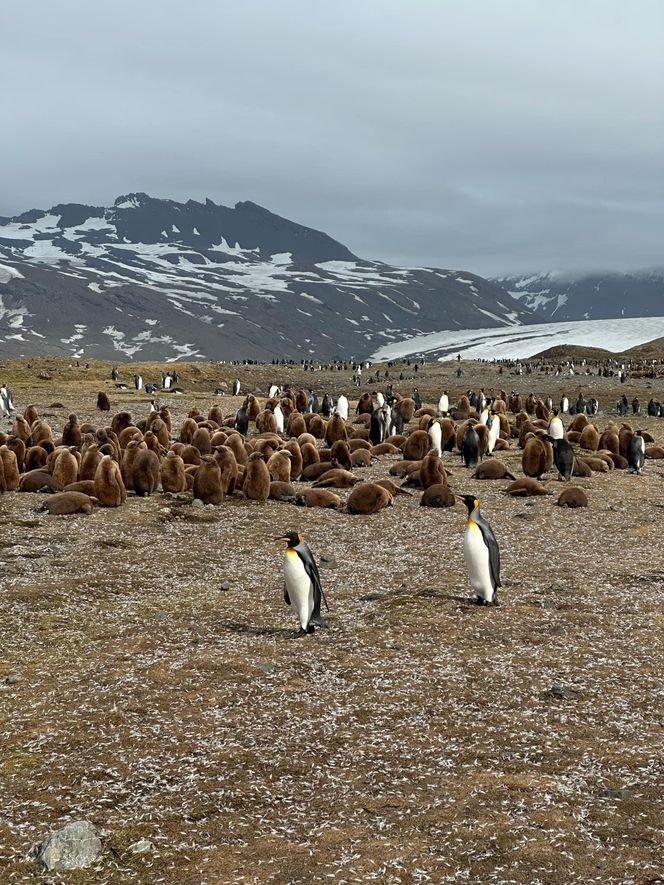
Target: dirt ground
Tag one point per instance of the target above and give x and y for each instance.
(419, 739)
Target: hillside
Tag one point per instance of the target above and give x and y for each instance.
(156, 279)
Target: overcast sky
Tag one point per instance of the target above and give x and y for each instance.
(491, 135)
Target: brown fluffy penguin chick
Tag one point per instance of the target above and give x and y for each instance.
(30, 413)
(534, 457)
(35, 457)
(589, 438)
(207, 482)
(416, 446)
(597, 465)
(368, 497)
(297, 462)
(337, 477)
(225, 458)
(127, 464)
(493, 469)
(341, 454)
(67, 503)
(65, 469)
(310, 455)
(145, 472)
(201, 440)
(393, 488)
(383, 448)
(335, 430)
(90, 462)
(578, 423)
(279, 466)
(581, 469)
(281, 491)
(36, 481)
(572, 496)
(438, 495)
(295, 426)
(86, 486)
(315, 471)
(318, 498)
(266, 422)
(402, 468)
(360, 458)
(526, 487)
(173, 478)
(256, 486)
(432, 472)
(71, 432)
(110, 491)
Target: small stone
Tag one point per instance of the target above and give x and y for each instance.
(225, 586)
(529, 504)
(12, 679)
(370, 597)
(143, 846)
(616, 508)
(561, 693)
(197, 503)
(328, 562)
(616, 794)
(556, 586)
(208, 506)
(523, 515)
(73, 847)
(267, 668)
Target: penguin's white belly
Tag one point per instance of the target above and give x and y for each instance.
(556, 429)
(494, 432)
(299, 587)
(435, 435)
(476, 555)
(443, 404)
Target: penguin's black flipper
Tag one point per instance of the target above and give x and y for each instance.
(311, 569)
(286, 596)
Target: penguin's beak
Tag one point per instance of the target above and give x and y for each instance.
(280, 538)
(460, 499)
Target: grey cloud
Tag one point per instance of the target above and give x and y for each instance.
(492, 136)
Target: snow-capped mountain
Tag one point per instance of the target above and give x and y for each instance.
(589, 297)
(156, 279)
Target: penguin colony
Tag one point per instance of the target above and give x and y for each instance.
(299, 437)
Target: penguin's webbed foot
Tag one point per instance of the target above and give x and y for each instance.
(319, 622)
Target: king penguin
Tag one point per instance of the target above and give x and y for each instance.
(494, 432)
(444, 403)
(636, 453)
(435, 432)
(236, 387)
(302, 587)
(481, 554)
(342, 407)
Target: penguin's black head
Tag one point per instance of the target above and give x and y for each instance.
(292, 538)
(470, 501)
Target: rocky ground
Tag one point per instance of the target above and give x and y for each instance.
(149, 681)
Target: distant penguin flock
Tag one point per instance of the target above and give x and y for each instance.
(259, 450)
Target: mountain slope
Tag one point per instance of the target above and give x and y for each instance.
(589, 297)
(165, 280)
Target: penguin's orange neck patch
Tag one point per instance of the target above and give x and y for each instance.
(291, 551)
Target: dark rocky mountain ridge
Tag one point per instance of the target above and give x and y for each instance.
(157, 279)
